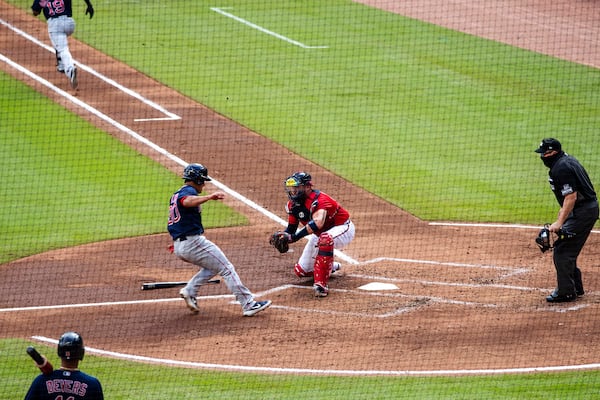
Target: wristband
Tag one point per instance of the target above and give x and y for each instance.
(299, 235)
(313, 225)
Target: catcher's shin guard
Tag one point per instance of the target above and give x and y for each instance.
(324, 260)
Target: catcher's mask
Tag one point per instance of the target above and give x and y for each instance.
(70, 346)
(296, 184)
(543, 240)
(196, 173)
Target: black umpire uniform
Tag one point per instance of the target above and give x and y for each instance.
(578, 213)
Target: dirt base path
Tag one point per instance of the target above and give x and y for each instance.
(467, 298)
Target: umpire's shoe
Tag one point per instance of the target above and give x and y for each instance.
(554, 297)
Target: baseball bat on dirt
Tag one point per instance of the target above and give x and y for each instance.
(40, 361)
(165, 285)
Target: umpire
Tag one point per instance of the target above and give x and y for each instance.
(577, 215)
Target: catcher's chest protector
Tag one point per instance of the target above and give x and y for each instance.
(324, 259)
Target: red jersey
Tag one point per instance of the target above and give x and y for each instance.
(316, 200)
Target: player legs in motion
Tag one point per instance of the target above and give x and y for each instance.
(190, 244)
(61, 25)
(59, 29)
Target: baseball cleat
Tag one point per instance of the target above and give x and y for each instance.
(320, 291)
(335, 267)
(190, 300)
(73, 78)
(258, 306)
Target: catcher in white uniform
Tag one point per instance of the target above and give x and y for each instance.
(326, 223)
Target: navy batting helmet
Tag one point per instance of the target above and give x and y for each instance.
(70, 346)
(196, 173)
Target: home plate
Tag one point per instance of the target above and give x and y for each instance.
(378, 286)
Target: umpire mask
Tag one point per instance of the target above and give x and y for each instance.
(550, 160)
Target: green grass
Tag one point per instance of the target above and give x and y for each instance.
(65, 182)
(129, 380)
(440, 123)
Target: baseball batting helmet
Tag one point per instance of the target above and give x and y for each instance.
(70, 346)
(196, 173)
(293, 182)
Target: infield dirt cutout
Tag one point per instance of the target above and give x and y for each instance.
(468, 297)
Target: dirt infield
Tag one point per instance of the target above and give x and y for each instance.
(468, 297)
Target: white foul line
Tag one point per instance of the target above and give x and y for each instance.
(263, 30)
(134, 134)
(169, 115)
(229, 367)
(483, 225)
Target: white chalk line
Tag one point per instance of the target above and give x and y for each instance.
(488, 225)
(511, 271)
(90, 109)
(417, 301)
(221, 10)
(130, 132)
(169, 115)
(329, 372)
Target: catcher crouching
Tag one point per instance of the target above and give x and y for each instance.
(326, 224)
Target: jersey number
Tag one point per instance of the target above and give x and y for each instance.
(174, 215)
(56, 7)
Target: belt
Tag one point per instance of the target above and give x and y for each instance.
(184, 237)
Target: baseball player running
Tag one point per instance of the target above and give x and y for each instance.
(190, 244)
(61, 25)
(326, 223)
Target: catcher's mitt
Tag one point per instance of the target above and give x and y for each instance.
(543, 239)
(281, 241)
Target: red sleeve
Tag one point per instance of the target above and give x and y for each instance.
(336, 214)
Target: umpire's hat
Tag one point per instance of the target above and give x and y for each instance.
(549, 144)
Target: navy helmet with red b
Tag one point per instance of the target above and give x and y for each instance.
(196, 173)
(70, 346)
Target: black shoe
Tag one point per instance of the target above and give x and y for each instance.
(579, 292)
(554, 297)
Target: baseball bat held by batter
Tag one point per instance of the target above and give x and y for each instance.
(40, 361)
